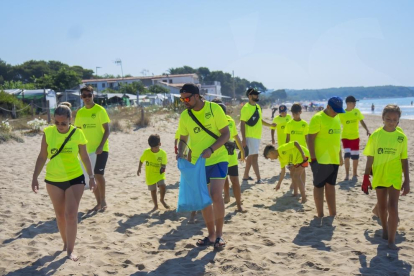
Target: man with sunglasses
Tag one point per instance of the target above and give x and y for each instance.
(251, 129)
(211, 116)
(94, 121)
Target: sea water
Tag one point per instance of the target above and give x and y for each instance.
(407, 109)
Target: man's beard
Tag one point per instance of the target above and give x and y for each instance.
(256, 100)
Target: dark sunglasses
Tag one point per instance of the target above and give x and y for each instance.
(61, 124)
(89, 95)
(187, 99)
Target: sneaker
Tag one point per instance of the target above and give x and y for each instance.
(259, 181)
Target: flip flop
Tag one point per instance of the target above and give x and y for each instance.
(204, 242)
(246, 179)
(219, 243)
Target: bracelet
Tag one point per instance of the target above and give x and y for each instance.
(212, 151)
(92, 176)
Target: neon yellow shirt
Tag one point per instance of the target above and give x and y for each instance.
(233, 132)
(246, 113)
(212, 117)
(350, 123)
(387, 148)
(65, 166)
(297, 131)
(289, 154)
(90, 120)
(153, 162)
(328, 140)
(280, 128)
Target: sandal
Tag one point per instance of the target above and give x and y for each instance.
(219, 243)
(204, 242)
(246, 179)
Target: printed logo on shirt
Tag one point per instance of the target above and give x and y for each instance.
(380, 150)
(390, 151)
(351, 121)
(86, 126)
(303, 125)
(334, 131)
(197, 129)
(147, 163)
(93, 116)
(356, 113)
(400, 139)
(296, 132)
(282, 127)
(208, 115)
(159, 159)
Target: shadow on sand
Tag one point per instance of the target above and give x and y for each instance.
(33, 268)
(315, 233)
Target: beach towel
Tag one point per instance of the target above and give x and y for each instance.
(193, 193)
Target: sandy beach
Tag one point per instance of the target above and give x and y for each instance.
(277, 236)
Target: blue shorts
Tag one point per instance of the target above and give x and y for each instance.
(216, 171)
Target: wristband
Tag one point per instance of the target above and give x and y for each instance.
(92, 176)
(313, 160)
(212, 151)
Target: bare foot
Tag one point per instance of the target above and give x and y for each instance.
(95, 209)
(192, 217)
(392, 246)
(346, 178)
(64, 247)
(154, 209)
(73, 257)
(295, 195)
(385, 235)
(304, 199)
(103, 206)
(241, 210)
(355, 178)
(226, 199)
(165, 205)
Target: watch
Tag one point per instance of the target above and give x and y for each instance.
(92, 176)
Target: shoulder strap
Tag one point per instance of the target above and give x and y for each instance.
(64, 143)
(200, 125)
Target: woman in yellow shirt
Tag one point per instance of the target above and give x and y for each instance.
(64, 173)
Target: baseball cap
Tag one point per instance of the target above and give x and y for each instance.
(252, 91)
(350, 99)
(337, 104)
(190, 88)
(282, 108)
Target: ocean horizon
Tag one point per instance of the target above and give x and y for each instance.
(407, 110)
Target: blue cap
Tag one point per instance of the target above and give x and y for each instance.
(282, 108)
(337, 104)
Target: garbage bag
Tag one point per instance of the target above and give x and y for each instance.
(193, 193)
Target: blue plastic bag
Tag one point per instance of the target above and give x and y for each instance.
(193, 194)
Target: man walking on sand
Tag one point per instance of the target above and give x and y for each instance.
(324, 143)
(251, 129)
(94, 122)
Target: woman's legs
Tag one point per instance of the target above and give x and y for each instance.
(73, 196)
(57, 196)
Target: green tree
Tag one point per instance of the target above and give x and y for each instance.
(132, 88)
(156, 89)
(17, 85)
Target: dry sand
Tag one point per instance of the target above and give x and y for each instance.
(278, 235)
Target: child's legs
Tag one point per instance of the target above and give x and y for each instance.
(227, 191)
(236, 189)
(163, 189)
(153, 189)
(330, 194)
(393, 196)
(347, 166)
(299, 171)
(382, 199)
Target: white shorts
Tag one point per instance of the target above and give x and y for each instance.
(92, 157)
(253, 145)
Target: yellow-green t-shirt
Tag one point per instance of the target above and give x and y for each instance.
(280, 128)
(387, 148)
(90, 120)
(233, 132)
(328, 139)
(212, 117)
(350, 123)
(289, 154)
(153, 162)
(297, 131)
(246, 113)
(65, 166)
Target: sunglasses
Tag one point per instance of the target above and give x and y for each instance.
(187, 99)
(89, 95)
(60, 124)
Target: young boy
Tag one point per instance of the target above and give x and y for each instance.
(350, 135)
(297, 130)
(295, 157)
(280, 122)
(386, 153)
(155, 162)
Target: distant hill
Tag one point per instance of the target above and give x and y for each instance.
(358, 92)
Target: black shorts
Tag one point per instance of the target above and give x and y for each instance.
(101, 163)
(324, 173)
(233, 171)
(66, 184)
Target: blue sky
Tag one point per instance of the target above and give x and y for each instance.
(284, 44)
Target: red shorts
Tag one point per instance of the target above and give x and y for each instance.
(351, 144)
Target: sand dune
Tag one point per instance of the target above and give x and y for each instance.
(277, 236)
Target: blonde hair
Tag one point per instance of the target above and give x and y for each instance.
(64, 109)
(391, 108)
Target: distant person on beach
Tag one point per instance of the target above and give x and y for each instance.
(350, 136)
(387, 154)
(65, 182)
(297, 130)
(324, 144)
(372, 107)
(251, 122)
(94, 122)
(155, 163)
(233, 169)
(198, 115)
(280, 124)
(293, 156)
